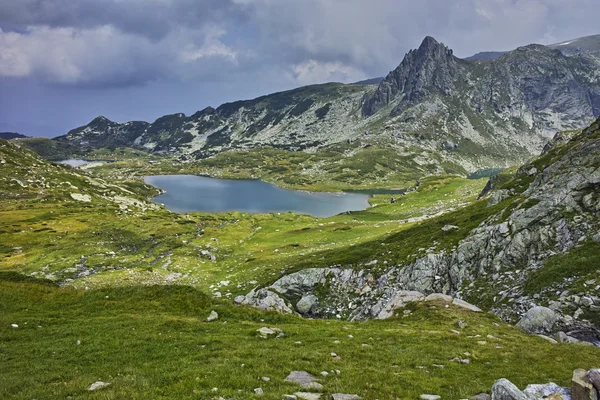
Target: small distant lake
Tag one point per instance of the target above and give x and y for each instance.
(189, 193)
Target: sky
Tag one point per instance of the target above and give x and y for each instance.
(63, 62)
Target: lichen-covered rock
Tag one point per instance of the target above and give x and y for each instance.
(538, 320)
(264, 299)
(306, 303)
(504, 389)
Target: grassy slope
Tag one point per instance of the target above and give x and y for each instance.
(152, 342)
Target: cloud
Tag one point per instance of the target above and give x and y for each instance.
(133, 42)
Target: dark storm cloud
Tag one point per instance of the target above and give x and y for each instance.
(151, 18)
(120, 42)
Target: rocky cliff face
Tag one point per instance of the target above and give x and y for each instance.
(549, 209)
(475, 114)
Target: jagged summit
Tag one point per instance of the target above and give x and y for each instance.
(431, 66)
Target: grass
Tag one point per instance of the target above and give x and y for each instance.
(152, 342)
(580, 264)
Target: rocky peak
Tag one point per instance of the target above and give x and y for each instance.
(430, 68)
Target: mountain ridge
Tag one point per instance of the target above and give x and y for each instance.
(476, 114)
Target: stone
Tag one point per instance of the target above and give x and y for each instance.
(593, 376)
(504, 389)
(461, 324)
(581, 387)
(564, 338)
(538, 320)
(482, 396)
(399, 300)
(266, 333)
(213, 316)
(239, 299)
(549, 339)
(266, 300)
(14, 325)
(308, 396)
(258, 391)
(430, 397)
(306, 303)
(342, 396)
(98, 385)
(467, 306)
(304, 379)
(439, 297)
(81, 197)
(546, 390)
(447, 228)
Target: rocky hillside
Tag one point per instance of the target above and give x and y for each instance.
(532, 241)
(476, 114)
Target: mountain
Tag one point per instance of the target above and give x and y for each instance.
(486, 56)
(475, 114)
(589, 45)
(11, 135)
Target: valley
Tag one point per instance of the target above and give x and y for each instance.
(471, 253)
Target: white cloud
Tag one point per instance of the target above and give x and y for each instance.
(313, 71)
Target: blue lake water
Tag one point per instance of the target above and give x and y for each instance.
(189, 193)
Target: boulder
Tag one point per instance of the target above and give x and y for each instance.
(439, 297)
(538, 320)
(342, 396)
(581, 387)
(593, 375)
(306, 303)
(399, 300)
(504, 389)
(308, 396)
(546, 390)
(266, 300)
(467, 306)
(304, 379)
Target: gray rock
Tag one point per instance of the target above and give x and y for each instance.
(482, 396)
(498, 196)
(213, 316)
(258, 391)
(306, 303)
(504, 389)
(544, 390)
(266, 333)
(467, 306)
(538, 320)
(439, 297)
(593, 375)
(239, 299)
(581, 387)
(308, 396)
(447, 228)
(342, 396)
(98, 385)
(398, 300)
(430, 397)
(549, 339)
(304, 379)
(266, 300)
